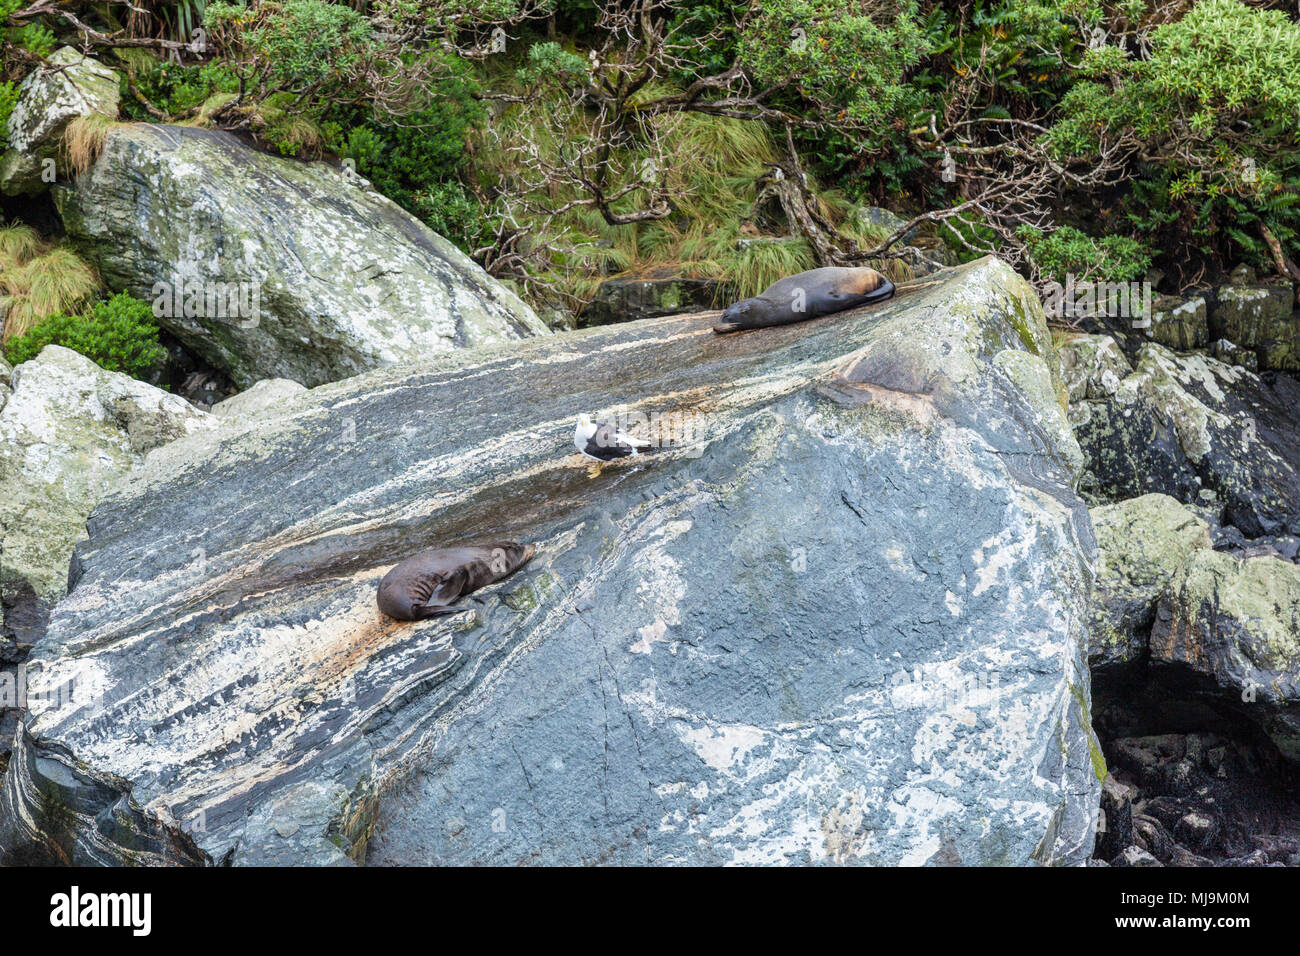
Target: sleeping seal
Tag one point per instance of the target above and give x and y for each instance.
(427, 584)
(806, 296)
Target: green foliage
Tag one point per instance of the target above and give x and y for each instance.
(8, 99)
(1217, 110)
(37, 39)
(843, 54)
(119, 334)
(300, 42)
(416, 163)
(177, 90)
(1070, 250)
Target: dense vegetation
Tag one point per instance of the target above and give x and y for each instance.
(560, 141)
(118, 333)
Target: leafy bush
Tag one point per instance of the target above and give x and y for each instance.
(853, 54)
(1069, 250)
(119, 334)
(1215, 111)
(37, 39)
(416, 162)
(8, 99)
(175, 89)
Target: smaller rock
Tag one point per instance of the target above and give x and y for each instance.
(1135, 856)
(1236, 623)
(1196, 830)
(68, 431)
(627, 298)
(1150, 834)
(1142, 543)
(1180, 322)
(883, 219)
(267, 393)
(1093, 367)
(1146, 757)
(68, 85)
(1115, 825)
(1231, 354)
(1258, 317)
(1242, 275)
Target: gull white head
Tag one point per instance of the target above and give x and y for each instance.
(584, 431)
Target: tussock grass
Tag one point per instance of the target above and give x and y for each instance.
(84, 141)
(37, 280)
(713, 170)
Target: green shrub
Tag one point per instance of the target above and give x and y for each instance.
(8, 99)
(1069, 250)
(175, 89)
(119, 334)
(36, 38)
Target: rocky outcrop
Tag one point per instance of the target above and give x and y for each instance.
(69, 429)
(268, 394)
(1180, 322)
(841, 618)
(1141, 544)
(1196, 799)
(66, 86)
(1187, 426)
(1235, 623)
(1258, 317)
(628, 298)
(267, 267)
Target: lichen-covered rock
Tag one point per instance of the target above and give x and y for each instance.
(1141, 546)
(627, 298)
(268, 267)
(269, 393)
(1235, 623)
(66, 86)
(1233, 354)
(1259, 317)
(68, 431)
(1092, 367)
(1180, 322)
(1180, 424)
(841, 620)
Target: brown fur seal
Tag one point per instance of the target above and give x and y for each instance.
(428, 583)
(806, 296)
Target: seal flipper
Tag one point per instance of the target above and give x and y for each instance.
(421, 611)
(884, 291)
(727, 327)
(445, 591)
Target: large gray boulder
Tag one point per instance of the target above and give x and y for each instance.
(68, 431)
(842, 619)
(66, 86)
(269, 267)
